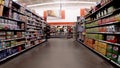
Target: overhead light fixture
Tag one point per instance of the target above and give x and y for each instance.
(14, 0)
(63, 2)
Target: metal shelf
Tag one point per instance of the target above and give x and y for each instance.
(19, 52)
(11, 47)
(11, 19)
(110, 33)
(110, 23)
(110, 14)
(101, 55)
(116, 44)
(99, 9)
(13, 39)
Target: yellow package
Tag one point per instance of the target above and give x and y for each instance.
(103, 51)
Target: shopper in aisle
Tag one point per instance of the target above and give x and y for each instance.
(69, 35)
(65, 32)
(47, 32)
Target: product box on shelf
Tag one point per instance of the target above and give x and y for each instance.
(108, 20)
(113, 28)
(99, 22)
(13, 43)
(14, 50)
(9, 51)
(111, 38)
(3, 54)
(115, 49)
(118, 59)
(114, 57)
(117, 17)
(101, 37)
(99, 49)
(2, 35)
(22, 26)
(95, 47)
(110, 48)
(103, 45)
(15, 16)
(19, 34)
(110, 9)
(8, 44)
(102, 29)
(9, 35)
(112, 19)
(109, 55)
(103, 51)
(89, 42)
(6, 3)
(19, 48)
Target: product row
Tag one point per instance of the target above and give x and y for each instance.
(110, 29)
(15, 11)
(34, 42)
(112, 19)
(8, 44)
(103, 12)
(7, 52)
(11, 35)
(108, 38)
(11, 25)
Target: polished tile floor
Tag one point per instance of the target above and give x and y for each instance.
(58, 53)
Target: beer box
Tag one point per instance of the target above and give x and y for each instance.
(99, 49)
(110, 48)
(103, 51)
(109, 55)
(114, 57)
(115, 49)
(104, 45)
(99, 44)
(96, 48)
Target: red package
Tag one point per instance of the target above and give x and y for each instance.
(112, 39)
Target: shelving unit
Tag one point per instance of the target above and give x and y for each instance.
(103, 30)
(101, 55)
(20, 29)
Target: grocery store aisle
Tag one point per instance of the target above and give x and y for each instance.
(58, 53)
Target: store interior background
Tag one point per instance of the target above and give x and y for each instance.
(62, 47)
(69, 9)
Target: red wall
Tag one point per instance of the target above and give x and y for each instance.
(61, 23)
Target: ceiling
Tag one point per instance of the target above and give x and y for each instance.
(31, 2)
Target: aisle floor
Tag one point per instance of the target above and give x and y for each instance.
(58, 53)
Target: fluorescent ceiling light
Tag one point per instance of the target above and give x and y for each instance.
(14, 0)
(63, 2)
